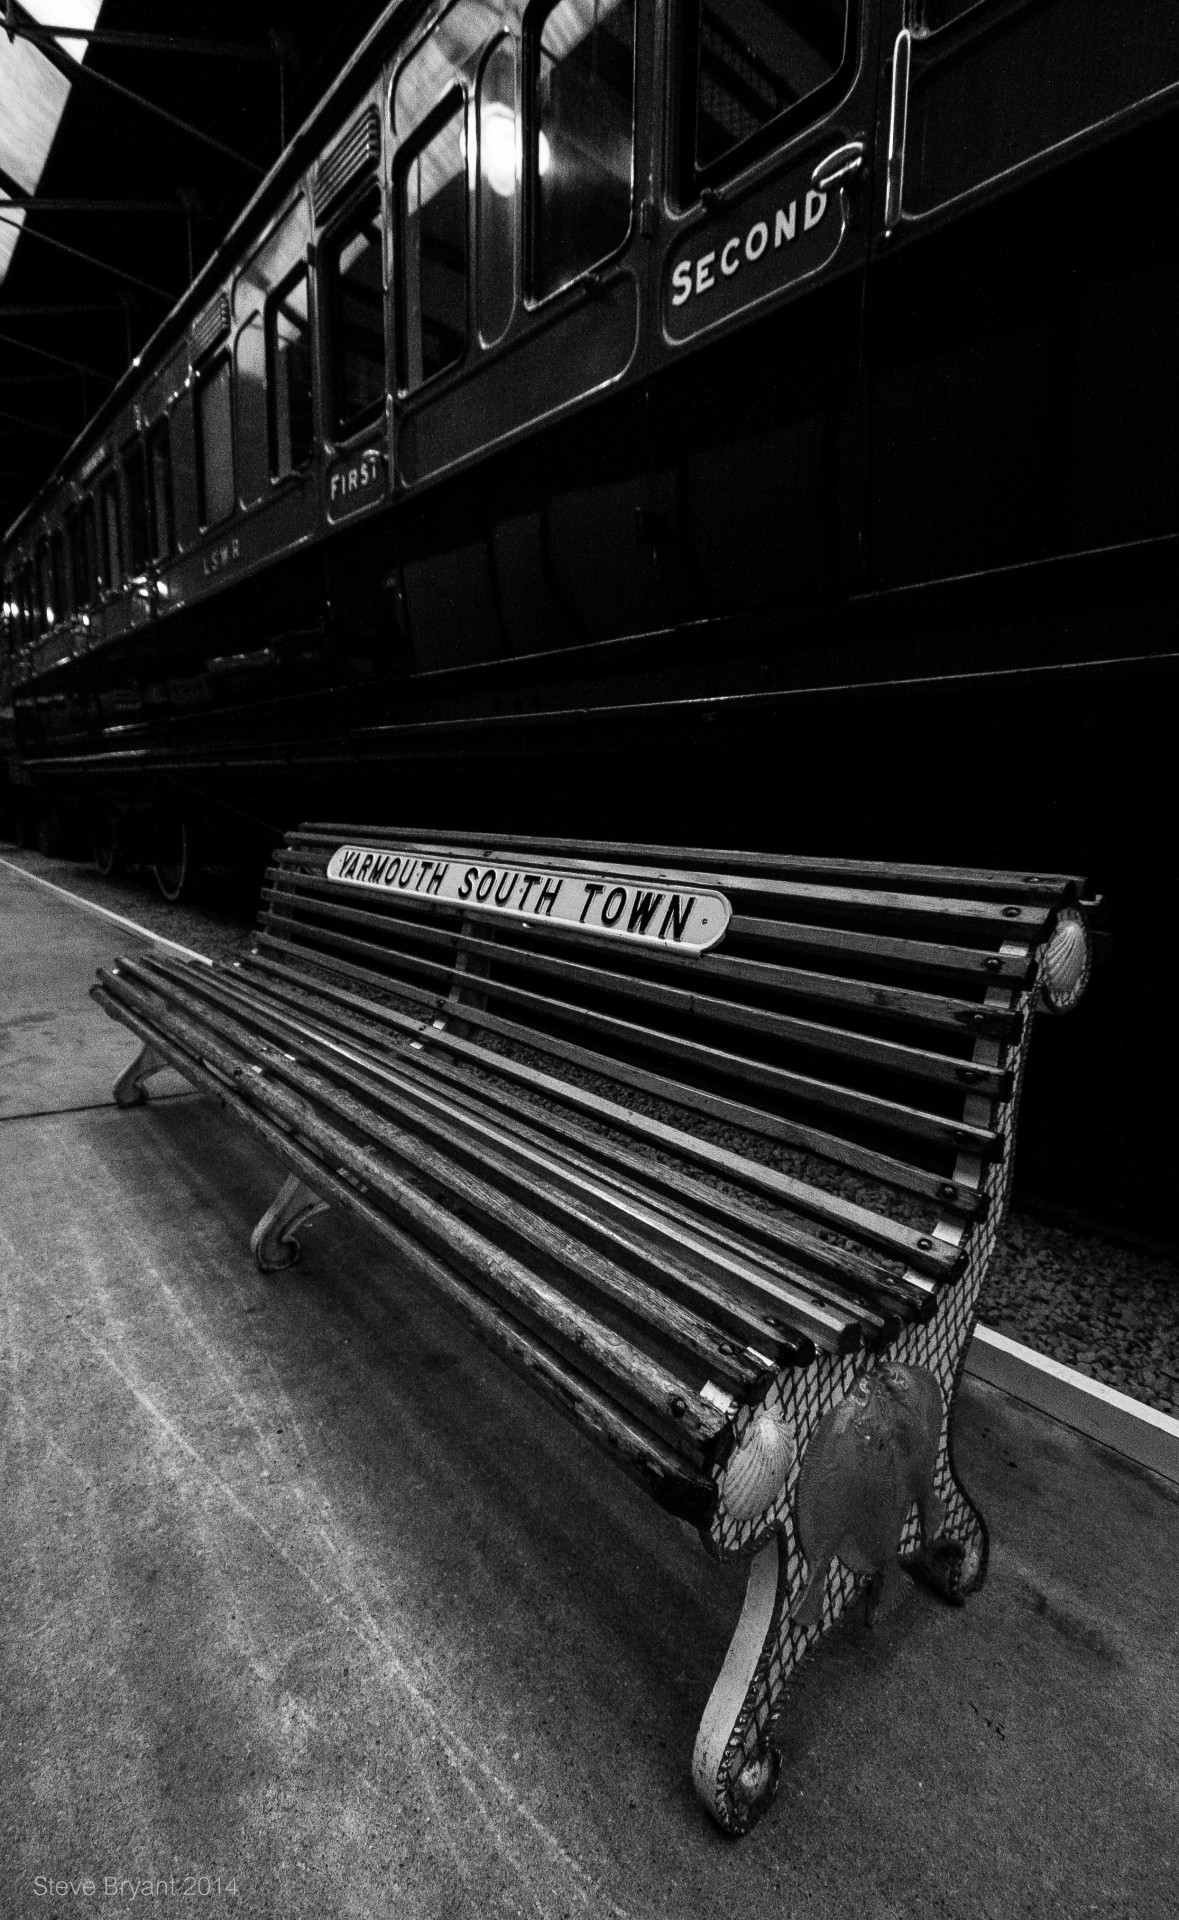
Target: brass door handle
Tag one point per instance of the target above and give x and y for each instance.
(897, 123)
(839, 165)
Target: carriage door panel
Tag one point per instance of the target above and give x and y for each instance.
(757, 405)
(447, 590)
(1024, 284)
(587, 105)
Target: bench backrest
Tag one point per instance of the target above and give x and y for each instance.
(848, 1047)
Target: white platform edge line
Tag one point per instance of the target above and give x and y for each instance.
(1128, 1426)
(92, 906)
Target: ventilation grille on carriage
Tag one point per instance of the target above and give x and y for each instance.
(359, 150)
(213, 322)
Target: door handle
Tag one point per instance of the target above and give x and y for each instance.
(897, 126)
(839, 165)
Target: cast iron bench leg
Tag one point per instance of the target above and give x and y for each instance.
(791, 1602)
(741, 1696)
(273, 1243)
(129, 1090)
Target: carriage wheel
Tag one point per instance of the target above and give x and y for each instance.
(176, 868)
(108, 856)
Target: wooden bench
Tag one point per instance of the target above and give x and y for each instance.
(712, 1147)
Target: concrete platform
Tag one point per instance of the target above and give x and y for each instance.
(57, 1052)
(303, 1592)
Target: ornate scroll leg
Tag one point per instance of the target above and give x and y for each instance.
(951, 1557)
(734, 1767)
(129, 1090)
(273, 1241)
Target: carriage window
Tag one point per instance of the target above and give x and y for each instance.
(84, 554)
(432, 190)
(135, 489)
(44, 591)
(276, 259)
(112, 531)
(357, 318)
(582, 142)
(79, 568)
(57, 574)
(28, 606)
(159, 458)
(751, 60)
(253, 464)
(291, 428)
(499, 174)
(449, 50)
(214, 444)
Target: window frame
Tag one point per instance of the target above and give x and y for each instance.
(107, 486)
(131, 448)
(76, 549)
(92, 535)
(58, 580)
(532, 26)
(348, 221)
(28, 590)
(510, 38)
(690, 182)
(160, 429)
(203, 376)
(456, 97)
(270, 307)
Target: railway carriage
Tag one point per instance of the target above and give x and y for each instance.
(679, 418)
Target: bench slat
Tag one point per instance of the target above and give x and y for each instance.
(812, 1139)
(817, 1314)
(693, 1263)
(1057, 887)
(684, 1198)
(874, 997)
(919, 1063)
(858, 1278)
(889, 1114)
(975, 964)
(952, 959)
(673, 1482)
(911, 1244)
(878, 1297)
(884, 902)
(671, 1402)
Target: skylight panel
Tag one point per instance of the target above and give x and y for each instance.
(32, 100)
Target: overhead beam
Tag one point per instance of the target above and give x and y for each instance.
(37, 426)
(40, 203)
(149, 42)
(39, 309)
(74, 70)
(90, 259)
(59, 359)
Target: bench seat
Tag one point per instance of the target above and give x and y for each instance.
(713, 1147)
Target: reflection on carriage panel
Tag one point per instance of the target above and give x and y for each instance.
(583, 152)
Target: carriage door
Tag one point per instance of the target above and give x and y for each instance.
(274, 412)
(756, 403)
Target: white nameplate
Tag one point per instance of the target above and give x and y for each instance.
(619, 905)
